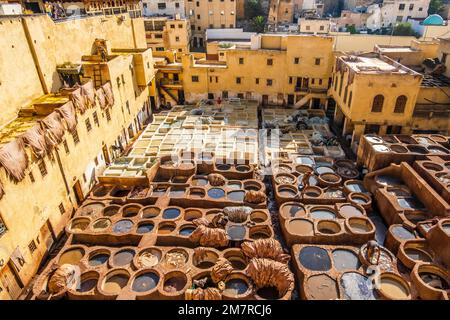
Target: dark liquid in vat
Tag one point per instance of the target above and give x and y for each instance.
(315, 258)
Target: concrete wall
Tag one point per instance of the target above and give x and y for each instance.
(360, 42)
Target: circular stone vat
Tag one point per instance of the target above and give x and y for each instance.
(199, 181)
(345, 260)
(92, 209)
(328, 227)
(418, 255)
(284, 178)
(98, 258)
(446, 227)
(79, 224)
(71, 256)
(115, 282)
(197, 193)
(260, 232)
(329, 179)
(101, 224)
(348, 211)
(101, 191)
(123, 257)
(205, 259)
(236, 258)
(192, 214)
(302, 169)
(312, 192)
(290, 210)
(236, 196)
(223, 167)
(243, 168)
(301, 227)
(322, 170)
(373, 139)
(390, 181)
(145, 282)
(111, 210)
(88, 281)
(235, 286)
(359, 198)
(359, 225)
(417, 149)
(282, 168)
(434, 277)
(177, 192)
(356, 287)
(166, 227)
(122, 226)
(268, 293)
(234, 185)
(159, 192)
(186, 230)
(287, 191)
(402, 233)
(171, 213)
(398, 148)
(315, 258)
(394, 287)
(148, 258)
(432, 166)
(258, 216)
(174, 282)
(119, 192)
(355, 186)
(252, 186)
(236, 232)
(322, 214)
(437, 150)
(145, 227)
(179, 179)
(216, 193)
(321, 287)
(381, 148)
(130, 210)
(150, 212)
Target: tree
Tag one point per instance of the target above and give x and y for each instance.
(436, 6)
(259, 24)
(404, 29)
(253, 8)
(351, 29)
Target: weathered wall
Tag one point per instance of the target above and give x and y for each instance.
(361, 42)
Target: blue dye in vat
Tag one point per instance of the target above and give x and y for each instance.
(98, 259)
(357, 287)
(145, 282)
(186, 231)
(171, 213)
(145, 228)
(315, 258)
(216, 193)
(122, 226)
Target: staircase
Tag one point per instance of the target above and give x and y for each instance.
(170, 94)
(300, 103)
(97, 76)
(330, 111)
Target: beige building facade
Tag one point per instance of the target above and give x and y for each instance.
(164, 34)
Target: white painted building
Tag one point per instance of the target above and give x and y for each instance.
(397, 11)
(164, 8)
(10, 9)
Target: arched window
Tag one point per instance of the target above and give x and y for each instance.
(400, 104)
(377, 104)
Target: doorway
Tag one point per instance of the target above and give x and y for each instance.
(10, 281)
(291, 98)
(265, 100)
(78, 191)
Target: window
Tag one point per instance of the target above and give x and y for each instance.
(401, 6)
(32, 246)
(88, 124)
(194, 78)
(238, 80)
(317, 61)
(75, 137)
(177, 5)
(241, 60)
(400, 104)
(61, 208)
(161, 5)
(270, 62)
(84, 178)
(296, 60)
(269, 82)
(94, 115)
(377, 105)
(31, 177)
(350, 99)
(411, 7)
(172, 26)
(127, 105)
(290, 80)
(177, 39)
(322, 28)
(108, 115)
(42, 168)
(399, 18)
(345, 94)
(257, 80)
(66, 146)
(308, 28)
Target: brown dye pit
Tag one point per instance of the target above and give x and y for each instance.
(345, 260)
(123, 258)
(322, 287)
(301, 227)
(72, 256)
(295, 211)
(145, 282)
(359, 225)
(101, 224)
(434, 281)
(111, 210)
(328, 227)
(149, 258)
(159, 192)
(393, 288)
(175, 283)
(91, 209)
(269, 293)
(197, 193)
(176, 192)
(78, 225)
(192, 214)
(88, 284)
(207, 260)
(348, 211)
(150, 212)
(199, 181)
(175, 259)
(258, 216)
(166, 228)
(115, 283)
(234, 185)
(287, 193)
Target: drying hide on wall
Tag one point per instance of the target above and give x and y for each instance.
(79, 101)
(108, 93)
(101, 98)
(209, 237)
(88, 91)
(14, 159)
(54, 128)
(68, 113)
(265, 248)
(35, 138)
